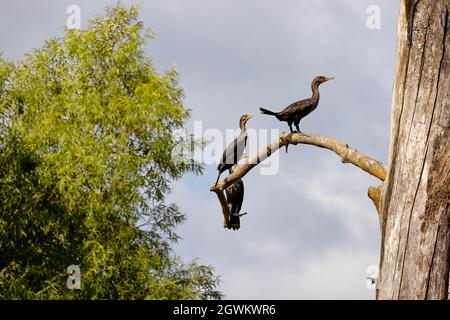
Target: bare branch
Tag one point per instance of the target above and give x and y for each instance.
(374, 193)
(225, 208)
(347, 154)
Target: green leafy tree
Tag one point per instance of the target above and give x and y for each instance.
(86, 133)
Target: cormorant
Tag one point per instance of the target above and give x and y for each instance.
(233, 152)
(235, 197)
(294, 112)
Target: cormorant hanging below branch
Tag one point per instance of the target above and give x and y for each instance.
(235, 197)
(233, 152)
(293, 113)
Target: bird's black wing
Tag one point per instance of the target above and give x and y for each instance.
(232, 154)
(235, 198)
(296, 107)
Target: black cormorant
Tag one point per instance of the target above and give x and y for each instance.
(294, 112)
(233, 152)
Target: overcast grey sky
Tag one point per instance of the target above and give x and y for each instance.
(311, 231)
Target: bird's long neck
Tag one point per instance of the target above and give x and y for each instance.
(242, 127)
(315, 92)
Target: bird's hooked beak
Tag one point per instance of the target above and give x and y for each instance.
(329, 78)
(247, 118)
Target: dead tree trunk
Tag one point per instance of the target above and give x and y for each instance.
(415, 214)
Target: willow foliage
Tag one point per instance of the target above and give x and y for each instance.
(86, 134)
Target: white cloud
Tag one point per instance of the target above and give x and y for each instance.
(337, 274)
(335, 189)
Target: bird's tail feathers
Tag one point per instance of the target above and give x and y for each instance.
(265, 111)
(235, 221)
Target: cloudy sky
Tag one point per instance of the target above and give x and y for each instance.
(311, 231)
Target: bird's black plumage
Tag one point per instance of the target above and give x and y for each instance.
(235, 197)
(296, 111)
(233, 152)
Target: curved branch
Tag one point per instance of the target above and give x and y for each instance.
(225, 208)
(347, 154)
(374, 194)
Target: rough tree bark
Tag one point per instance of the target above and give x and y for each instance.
(415, 215)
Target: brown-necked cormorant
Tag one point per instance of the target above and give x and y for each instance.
(294, 112)
(233, 152)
